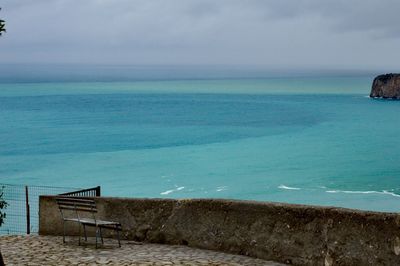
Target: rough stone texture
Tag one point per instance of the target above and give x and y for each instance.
(292, 234)
(49, 250)
(386, 86)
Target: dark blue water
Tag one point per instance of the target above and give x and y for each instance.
(113, 122)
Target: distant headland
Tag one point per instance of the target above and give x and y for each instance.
(386, 86)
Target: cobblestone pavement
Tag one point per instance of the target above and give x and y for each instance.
(48, 250)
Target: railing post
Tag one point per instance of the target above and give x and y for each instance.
(98, 191)
(28, 215)
(1, 260)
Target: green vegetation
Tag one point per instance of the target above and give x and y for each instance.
(3, 205)
(2, 29)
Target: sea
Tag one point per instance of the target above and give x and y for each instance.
(167, 132)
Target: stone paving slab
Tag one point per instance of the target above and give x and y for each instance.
(49, 250)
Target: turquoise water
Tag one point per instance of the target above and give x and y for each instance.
(315, 140)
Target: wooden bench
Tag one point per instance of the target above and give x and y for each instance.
(75, 209)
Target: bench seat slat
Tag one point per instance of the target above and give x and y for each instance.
(76, 200)
(73, 198)
(77, 204)
(77, 208)
(89, 221)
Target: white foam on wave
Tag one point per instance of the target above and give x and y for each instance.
(384, 192)
(167, 192)
(171, 191)
(288, 188)
(222, 188)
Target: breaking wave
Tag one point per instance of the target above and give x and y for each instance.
(288, 188)
(385, 192)
(171, 191)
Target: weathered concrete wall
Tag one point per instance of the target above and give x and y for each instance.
(294, 234)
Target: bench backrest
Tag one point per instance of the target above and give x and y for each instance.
(76, 204)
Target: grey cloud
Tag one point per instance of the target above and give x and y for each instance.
(343, 15)
(273, 32)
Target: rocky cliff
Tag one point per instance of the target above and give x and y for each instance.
(386, 86)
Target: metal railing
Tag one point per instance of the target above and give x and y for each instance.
(22, 212)
(89, 192)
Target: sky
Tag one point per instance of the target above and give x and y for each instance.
(348, 34)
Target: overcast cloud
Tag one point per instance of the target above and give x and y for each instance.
(355, 34)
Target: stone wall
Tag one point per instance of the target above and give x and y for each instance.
(293, 234)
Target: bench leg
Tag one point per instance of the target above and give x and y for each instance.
(119, 241)
(84, 231)
(101, 236)
(97, 233)
(63, 231)
(79, 239)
